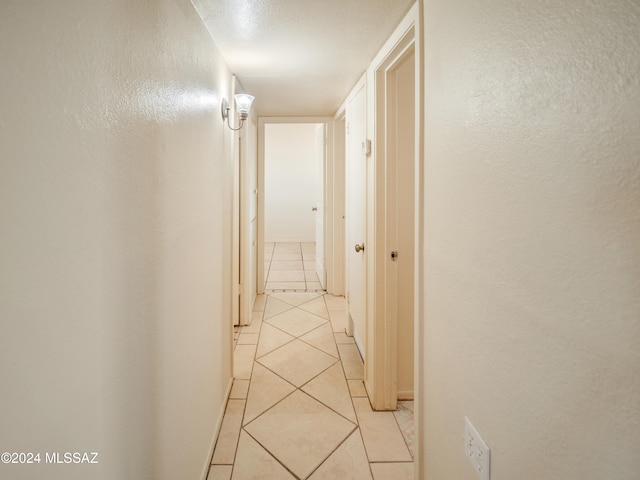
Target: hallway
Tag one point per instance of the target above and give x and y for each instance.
(298, 408)
(291, 266)
(132, 237)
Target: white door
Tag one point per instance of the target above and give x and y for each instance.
(356, 168)
(319, 206)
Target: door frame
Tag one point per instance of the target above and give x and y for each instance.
(244, 157)
(247, 161)
(336, 203)
(321, 203)
(382, 334)
(329, 216)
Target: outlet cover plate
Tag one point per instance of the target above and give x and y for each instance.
(476, 451)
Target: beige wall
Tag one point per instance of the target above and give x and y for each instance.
(532, 238)
(114, 274)
(290, 180)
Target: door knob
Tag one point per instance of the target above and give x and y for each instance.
(359, 248)
(314, 209)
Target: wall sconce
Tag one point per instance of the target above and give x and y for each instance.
(243, 105)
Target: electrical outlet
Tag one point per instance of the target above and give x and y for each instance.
(476, 451)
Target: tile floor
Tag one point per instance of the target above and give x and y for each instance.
(290, 267)
(298, 408)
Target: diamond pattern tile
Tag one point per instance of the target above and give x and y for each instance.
(298, 408)
(266, 390)
(322, 338)
(275, 307)
(348, 462)
(330, 387)
(294, 298)
(317, 307)
(270, 339)
(300, 432)
(297, 362)
(296, 322)
(254, 463)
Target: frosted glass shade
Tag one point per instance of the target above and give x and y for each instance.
(243, 105)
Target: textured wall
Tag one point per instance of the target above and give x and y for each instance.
(532, 323)
(114, 271)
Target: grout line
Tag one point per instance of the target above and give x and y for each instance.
(266, 277)
(404, 437)
(302, 260)
(300, 389)
(306, 287)
(271, 454)
(357, 427)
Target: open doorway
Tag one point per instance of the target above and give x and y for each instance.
(401, 213)
(294, 206)
(245, 222)
(292, 163)
(396, 163)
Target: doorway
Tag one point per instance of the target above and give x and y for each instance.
(393, 302)
(356, 214)
(401, 214)
(292, 161)
(245, 222)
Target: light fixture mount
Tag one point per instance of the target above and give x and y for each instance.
(224, 109)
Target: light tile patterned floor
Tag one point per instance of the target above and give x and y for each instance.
(298, 408)
(290, 267)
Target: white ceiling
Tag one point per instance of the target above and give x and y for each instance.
(299, 57)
